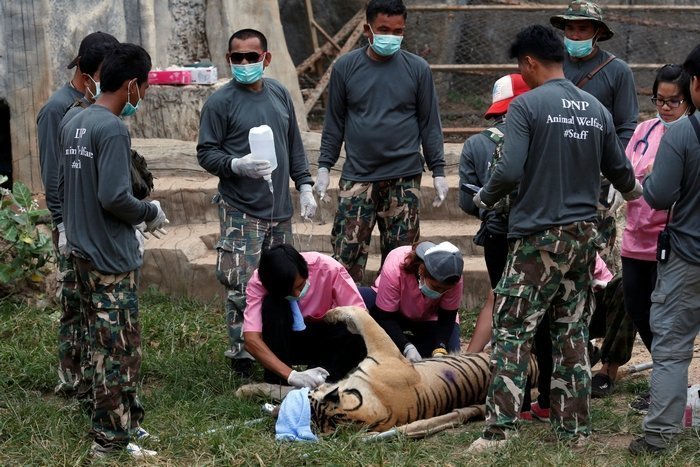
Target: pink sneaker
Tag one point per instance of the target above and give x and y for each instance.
(539, 413)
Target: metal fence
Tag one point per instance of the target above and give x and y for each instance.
(467, 48)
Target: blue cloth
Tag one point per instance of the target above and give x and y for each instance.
(298, 320)
(294, 419)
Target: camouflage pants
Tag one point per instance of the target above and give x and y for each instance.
(243, 238)
(548, 272)
(610, 321)
(394, 205)
(607, 240)
(110, 307)
(71, 340)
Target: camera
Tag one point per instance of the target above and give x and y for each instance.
(663, 246)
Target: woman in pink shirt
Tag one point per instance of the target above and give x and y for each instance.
(671, 95)
(286, 300)
(419, 290)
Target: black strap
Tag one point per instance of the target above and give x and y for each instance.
(696, 126)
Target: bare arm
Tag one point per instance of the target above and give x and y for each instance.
(255, 345)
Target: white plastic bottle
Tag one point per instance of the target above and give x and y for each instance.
(262, 147)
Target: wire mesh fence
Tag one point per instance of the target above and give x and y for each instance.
(467, 47)
(645, 37)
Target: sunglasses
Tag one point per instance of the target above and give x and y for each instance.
(250, 57)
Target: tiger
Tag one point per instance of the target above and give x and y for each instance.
(386, 390)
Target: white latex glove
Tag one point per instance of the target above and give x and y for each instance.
(411, 353)
(141, 239)
(634, 193)
(440, 184)
(615, 200)
(307, 201)
(249, 167)
(62, 240)
(323, 179)
(477, 201)
(158, 223)
(311, 378)
(158, 233)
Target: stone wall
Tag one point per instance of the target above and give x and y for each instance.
(38, 38)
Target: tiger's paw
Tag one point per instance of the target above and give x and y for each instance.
(345, 314)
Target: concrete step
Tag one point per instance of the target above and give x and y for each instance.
(182, 262)
(187, 200)
(312, 236)
(195, 239)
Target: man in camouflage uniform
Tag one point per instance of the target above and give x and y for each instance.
(255, 203)
(100, 212)
(92, 49)
(559, 140)
(612, 83)
(382, 104)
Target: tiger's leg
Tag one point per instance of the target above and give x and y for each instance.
(358, 321)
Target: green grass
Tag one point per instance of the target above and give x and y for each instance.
(188, 390)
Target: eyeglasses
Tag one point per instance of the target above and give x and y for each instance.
(672, 103)
(251, 57)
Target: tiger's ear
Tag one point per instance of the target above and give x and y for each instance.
(332, 396)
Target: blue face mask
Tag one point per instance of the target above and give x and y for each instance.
(579, 49)
(248, 74)
(385, 45)
(670, 124)
(130, 109)
(427, 291)
(292, 298)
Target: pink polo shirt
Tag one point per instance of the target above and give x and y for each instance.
(601, 274)
(643, 222)
(330, 286)
(398, 291)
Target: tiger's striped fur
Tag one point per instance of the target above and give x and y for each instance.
(386, 390)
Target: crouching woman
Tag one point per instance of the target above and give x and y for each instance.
(416, 297)
(286, 300)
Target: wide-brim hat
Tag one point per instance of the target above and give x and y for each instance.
(443, 261)
(505, 89)
(579, 11)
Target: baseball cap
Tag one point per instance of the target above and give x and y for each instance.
(578, 11)
(91, 40)
(442, 261)
(505, 89)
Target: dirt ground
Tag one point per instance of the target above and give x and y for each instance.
(641, 355)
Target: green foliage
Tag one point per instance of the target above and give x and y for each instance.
(24, 250)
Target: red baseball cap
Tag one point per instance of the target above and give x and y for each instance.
(505, 89)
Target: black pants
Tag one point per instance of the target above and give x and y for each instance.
(330, 346)
(495, 255)
(638, 282)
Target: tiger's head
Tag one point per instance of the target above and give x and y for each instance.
(369, 392)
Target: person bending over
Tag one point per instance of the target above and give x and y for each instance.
(419, 291)
(286, 300)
